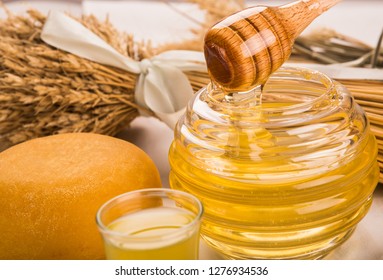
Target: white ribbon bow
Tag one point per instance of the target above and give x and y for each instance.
(161, 87)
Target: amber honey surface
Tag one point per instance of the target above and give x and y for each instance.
(285, 175)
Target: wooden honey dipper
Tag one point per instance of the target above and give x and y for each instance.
(243, 49)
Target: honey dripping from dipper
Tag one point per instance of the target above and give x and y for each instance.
(244, 49)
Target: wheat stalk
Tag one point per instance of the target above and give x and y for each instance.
(45, 91)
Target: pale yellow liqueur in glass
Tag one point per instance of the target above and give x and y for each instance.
(154, 224)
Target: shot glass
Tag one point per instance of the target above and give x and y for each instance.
(151, 224)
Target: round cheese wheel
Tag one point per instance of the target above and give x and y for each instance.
(52, 187)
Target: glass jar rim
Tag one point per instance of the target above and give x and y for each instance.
(154, 192)
(306, 74)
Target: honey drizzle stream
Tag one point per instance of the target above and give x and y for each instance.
(237, 136)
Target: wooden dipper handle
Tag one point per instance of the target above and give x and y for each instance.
(243, 50)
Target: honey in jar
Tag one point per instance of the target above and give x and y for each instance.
(283, 173)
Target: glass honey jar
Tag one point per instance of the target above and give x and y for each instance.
(285, 172)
